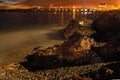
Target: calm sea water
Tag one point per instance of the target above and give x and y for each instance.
(10, 20)
(22, 31)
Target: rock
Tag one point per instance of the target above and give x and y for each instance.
(106, 25)
(67, 61)
(61, 73)
(110, 51)
(107, 72)
(74, 51)
(79, 78)
(75, 29)
(75, 48)
(114, 69)
(71, 28)
(47, 51)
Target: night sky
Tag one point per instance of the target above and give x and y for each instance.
(68, 2)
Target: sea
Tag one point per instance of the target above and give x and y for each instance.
(17, 20)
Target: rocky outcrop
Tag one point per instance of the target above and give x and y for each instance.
(81, 47)
(110, 51)
(71, 28)
(106, 25)
(79, 43)
(74, 51)
(42, 58)
(74, 28)
(75, 48)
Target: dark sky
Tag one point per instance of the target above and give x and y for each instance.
(69, 2)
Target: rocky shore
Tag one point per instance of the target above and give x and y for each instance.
(88, 53)
(16, 71)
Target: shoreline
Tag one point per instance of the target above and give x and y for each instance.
(17, 45)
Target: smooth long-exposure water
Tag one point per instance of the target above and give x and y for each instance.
(21, 31)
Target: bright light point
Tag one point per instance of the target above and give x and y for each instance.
(74, 10)
(90, 12)
(81, 22)
(86, 9)
(82, 9)
(85, 13)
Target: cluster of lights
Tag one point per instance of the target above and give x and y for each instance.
(82, 10)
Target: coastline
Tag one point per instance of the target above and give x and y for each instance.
(16, 45)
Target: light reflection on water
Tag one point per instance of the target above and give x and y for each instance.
(12, 19)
